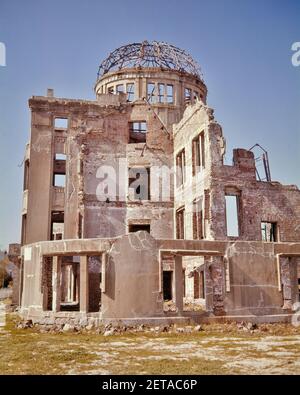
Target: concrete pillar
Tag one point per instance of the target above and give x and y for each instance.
(208, 285)
(71, 289)
(289, 281)
(84, 284)
(218, 284)
(56, 285)
(178, 282)
(103, 272)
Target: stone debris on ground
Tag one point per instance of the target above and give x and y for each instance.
(120, 328)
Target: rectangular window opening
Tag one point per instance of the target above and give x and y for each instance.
(196, 95)
(23, 233)
(110, 90)
(130, 92)
(138, 127)
(198, 153)
(70, 283)
(60, 157)
(95, 277)
(197, 220)
(26, 175)
(180, 223)
(232, 218)
(137, 132)
(80, 226)
(180, 168)
(120, 88)
(161, 93)
(151, 92)
(61, 123)
(202, 286)
(198, 285)
(269, 231)
(170, 94)
(202, 150)
(137, 227)
(59, 180)
(187, 94)
(139, 184)
(57, 225)
(167, 284)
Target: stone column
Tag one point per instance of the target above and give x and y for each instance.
(71, 283)
(84, 284)
(285, 269)
(218, 284)
(56, 285)
(178, 282)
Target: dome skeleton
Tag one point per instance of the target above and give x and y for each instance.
(154, 54)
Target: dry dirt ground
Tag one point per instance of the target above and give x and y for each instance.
(217, 349)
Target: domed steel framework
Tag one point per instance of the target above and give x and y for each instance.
(146, 54)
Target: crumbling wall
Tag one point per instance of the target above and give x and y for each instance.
(241, 278)
(198, 118)
(252, 284)
(32, 294)
(259, 201)
(132, 279)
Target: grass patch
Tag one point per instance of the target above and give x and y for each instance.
(212, 351)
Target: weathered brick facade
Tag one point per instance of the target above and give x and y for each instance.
(146, 120)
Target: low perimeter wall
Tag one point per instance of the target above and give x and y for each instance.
(241, 279)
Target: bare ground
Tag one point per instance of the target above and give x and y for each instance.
(218, 349)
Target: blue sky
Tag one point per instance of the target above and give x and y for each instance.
(243, 47)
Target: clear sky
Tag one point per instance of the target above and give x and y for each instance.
(243, 47)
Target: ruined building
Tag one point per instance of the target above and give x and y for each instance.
(127, 204)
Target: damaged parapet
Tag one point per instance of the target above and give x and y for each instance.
(148, 156)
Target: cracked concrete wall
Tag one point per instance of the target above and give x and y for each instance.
(253, 279)
(290, 274)
(32, 296)
(37, 225)
(132, 279)
(241, 280)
